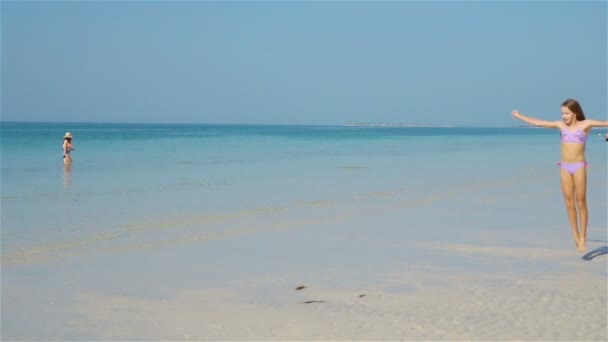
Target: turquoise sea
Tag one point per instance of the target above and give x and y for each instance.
(131, 173)
(124, 172)
(175, 205)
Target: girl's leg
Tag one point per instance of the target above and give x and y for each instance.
(580, 190)
(568, 192)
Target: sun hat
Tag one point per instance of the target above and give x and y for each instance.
(68, 135)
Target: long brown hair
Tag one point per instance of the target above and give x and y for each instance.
(575, 107)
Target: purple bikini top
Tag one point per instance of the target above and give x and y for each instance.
(578, 136)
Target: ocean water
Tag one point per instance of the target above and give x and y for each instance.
(128, 173)
(146, 208)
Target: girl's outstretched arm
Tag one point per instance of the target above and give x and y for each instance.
(596, 123)
(535, 122)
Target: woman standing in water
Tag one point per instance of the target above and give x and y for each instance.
(573, 172)
(67, 148)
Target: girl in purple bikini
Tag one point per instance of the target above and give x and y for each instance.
(574, 131)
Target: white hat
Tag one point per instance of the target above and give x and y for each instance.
(68, 135)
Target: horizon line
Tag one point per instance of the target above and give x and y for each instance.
(375, 125)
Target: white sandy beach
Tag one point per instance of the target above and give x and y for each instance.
(369, 273)
(423, 307)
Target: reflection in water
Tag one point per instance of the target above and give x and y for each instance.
(67, 175)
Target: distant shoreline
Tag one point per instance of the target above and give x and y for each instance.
(369, 125)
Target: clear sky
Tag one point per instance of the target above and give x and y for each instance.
(342, 62)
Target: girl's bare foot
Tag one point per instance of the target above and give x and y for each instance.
(581, 246)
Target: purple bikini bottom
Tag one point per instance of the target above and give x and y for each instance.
(571, 167)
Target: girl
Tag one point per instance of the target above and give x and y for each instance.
(574, 131)
(67, 147)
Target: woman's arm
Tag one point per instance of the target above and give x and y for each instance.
(535, 122)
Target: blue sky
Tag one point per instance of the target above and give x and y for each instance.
(405, 62)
